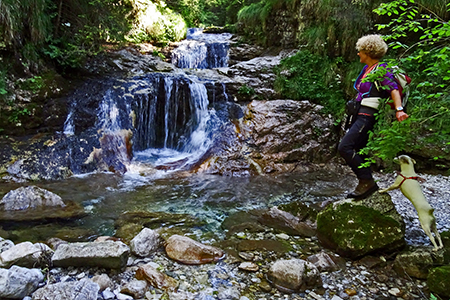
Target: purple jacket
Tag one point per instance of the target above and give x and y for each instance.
(368, 89)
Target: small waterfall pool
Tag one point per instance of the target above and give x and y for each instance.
(172, 122)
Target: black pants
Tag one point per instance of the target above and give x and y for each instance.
(354, 140)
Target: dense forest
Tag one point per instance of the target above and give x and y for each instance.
(41, 39)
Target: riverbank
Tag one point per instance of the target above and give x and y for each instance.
(372, 277)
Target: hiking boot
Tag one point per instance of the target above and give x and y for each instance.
(365, 188)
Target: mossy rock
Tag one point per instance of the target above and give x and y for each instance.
(354, 230)
(439, 281)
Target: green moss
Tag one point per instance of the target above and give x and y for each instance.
(439, 281)
(357, 228)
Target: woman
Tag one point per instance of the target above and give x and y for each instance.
(371, 48)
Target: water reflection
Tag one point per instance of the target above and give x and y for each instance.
(208, 198)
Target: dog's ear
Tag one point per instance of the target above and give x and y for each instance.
(413, 161)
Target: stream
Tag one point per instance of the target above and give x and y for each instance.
(174, 122)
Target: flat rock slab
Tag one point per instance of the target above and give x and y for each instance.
(109, 254)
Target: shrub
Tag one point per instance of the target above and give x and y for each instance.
(308, 76)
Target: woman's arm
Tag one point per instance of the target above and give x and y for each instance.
(399, 114)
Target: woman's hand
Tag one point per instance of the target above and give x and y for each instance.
(401, 115)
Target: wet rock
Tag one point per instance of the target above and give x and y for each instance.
(284, 221)
(439, 281)
(157, 219)
(83, 289)
(188, 251)
(357, 228)
(18, 282)
(36, 204)
(283, 131)
(326, 262)
(415, 263)
(115, 151)
(155, 278)
(27, 255)
(294, 275)
(145, 242)
(110, 255)
(30, 197)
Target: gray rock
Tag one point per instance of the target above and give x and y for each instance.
(18, 282)
(27, 255)
(5, 245)
(73, 290)
(294, 275)
(29, 198)
(110, 255)
(287, 222)
(146, 242)
(326, 263)
(288, 130)
(357, 228)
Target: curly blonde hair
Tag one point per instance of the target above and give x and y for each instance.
(372, 45)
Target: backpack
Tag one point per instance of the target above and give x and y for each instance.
(403, 81)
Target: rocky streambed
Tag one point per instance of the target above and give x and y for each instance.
(255, 259)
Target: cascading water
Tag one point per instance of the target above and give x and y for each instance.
(173, 122)
(165, 115)
(202, 50)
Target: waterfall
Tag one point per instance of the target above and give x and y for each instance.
(202, 50)
(175, 123)
(165, 120)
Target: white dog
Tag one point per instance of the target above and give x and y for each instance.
(408, 183)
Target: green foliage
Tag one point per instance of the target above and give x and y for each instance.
(421, 36)
(332, 27)
(246, 91)
(33, 84)
(156, 23)
(308, 76)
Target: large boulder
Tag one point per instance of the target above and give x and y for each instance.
(357, 228)
(294, 275)
(33, 203)
(188, 251)
(275, 137)
(29, 198)
(18, 282)
(83, 289)
(289, 131)
(109, 254)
